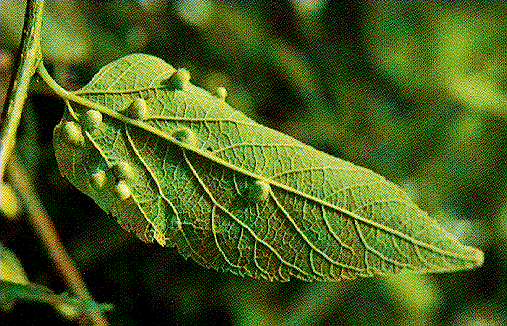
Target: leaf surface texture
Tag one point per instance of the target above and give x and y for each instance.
(236, 195)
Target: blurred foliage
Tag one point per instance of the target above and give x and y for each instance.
(11, 269)
(69, 307)
(415, 91)
(14, 286)
(10, 205)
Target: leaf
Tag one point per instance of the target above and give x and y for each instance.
(11, 269)
(63, 303)
(232, 194)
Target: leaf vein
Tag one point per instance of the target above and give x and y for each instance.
(214, 231)
(303, 236)
(242, 224)
(152, 176)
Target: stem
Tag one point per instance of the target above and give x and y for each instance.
(43, 73)
(43, 226)
(29, 55)
(70, 96)
(28, 58)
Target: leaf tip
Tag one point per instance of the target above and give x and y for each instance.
(477, 257)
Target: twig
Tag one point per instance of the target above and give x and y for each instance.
(29, 55)
(42, 224)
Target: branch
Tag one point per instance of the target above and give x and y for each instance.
(43, 226)
(28, 58)
(29, 55)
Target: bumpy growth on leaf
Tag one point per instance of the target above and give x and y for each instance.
(314, 216)
(179, 79)
(186, 135)
(138, 109)
(73, 133)
(98, 179)
(123, 170)
(221, 93)
(122, 190)
(92, 119)
(258, 190)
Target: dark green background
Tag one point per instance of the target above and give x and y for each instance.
(415, 91)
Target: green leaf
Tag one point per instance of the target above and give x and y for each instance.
(194, 173)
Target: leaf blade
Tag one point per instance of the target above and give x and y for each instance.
(322, 218)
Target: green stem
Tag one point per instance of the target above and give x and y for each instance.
(43, 73)
(29, 55)
(60, 91)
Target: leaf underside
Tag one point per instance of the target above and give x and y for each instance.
(315, 216)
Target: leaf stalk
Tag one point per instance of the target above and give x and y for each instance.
(29, 55)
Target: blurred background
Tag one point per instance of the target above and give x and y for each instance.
(415, 91)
